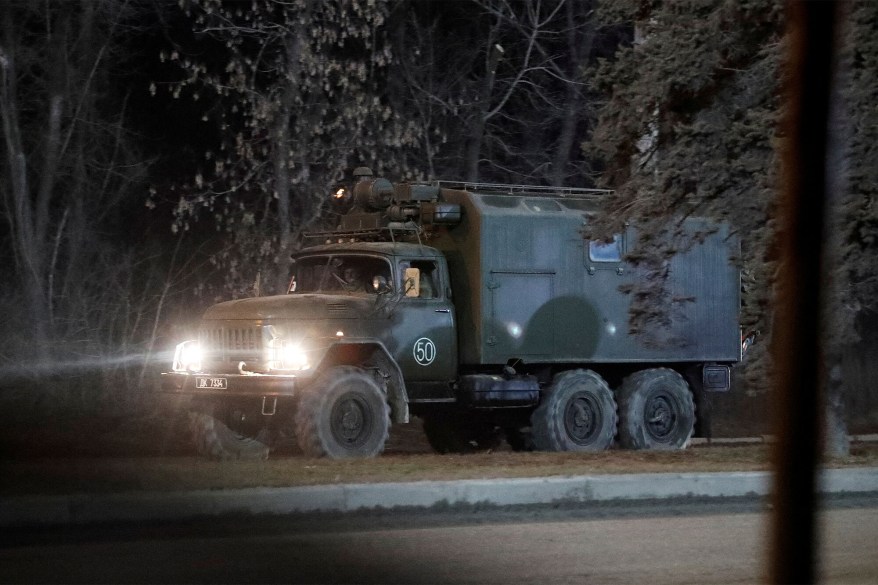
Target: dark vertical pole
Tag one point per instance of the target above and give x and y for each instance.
(796, 341)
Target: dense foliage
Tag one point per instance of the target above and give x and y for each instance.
(856, 279)
(690, 128)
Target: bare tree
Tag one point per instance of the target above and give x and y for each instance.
(66, 162)
(502, 87)
(81, 303)
(297, 92)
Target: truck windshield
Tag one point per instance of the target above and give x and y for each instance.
(339, 274)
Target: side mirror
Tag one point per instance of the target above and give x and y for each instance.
(411, 283)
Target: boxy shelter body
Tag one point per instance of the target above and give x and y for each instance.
(530, 286)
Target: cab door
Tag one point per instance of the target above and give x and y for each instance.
(424, 327)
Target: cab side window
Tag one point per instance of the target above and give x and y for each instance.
(419, 279)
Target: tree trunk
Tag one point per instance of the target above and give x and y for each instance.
(281, 159)
(579, 43)
(837, 443)
(482, 107)
(26, 249)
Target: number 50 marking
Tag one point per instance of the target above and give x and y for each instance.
(424, 351)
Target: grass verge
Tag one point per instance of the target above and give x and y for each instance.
(102, 475)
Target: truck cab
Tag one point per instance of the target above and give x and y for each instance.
(394, 294)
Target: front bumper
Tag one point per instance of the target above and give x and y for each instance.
(230, 384)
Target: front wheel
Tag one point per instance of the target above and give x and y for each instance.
(578, 414)
(342, 415)
(656, 410)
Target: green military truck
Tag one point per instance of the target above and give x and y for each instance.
(482, 309)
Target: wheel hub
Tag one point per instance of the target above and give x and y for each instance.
(350, 423)
(581, 419)
(351, 420)
(660, 418)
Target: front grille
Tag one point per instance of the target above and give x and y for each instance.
(231, 343)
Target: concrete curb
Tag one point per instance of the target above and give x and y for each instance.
(767, 439)
(145, 506)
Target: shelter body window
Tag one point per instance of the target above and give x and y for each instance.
(606, 251)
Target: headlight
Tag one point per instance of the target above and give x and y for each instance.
(187, 357)
(288, 356)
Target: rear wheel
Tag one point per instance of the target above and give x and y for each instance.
(656, 410)
(344, 414)
(578, 414)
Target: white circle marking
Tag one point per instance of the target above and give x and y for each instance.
(424, 351)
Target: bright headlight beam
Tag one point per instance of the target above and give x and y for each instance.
(289, 356)
(188, 357)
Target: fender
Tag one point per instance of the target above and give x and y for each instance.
(371, 354)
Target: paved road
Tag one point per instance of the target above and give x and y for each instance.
(653, 543)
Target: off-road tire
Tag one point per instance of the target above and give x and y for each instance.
(459, 433)
(212, 438)
(577, 414)
(344, 414)
(656, 411)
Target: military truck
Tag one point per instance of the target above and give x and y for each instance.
(483, 309)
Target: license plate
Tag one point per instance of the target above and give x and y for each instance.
(203, 382)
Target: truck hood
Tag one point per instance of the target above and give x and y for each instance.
(295, 306)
